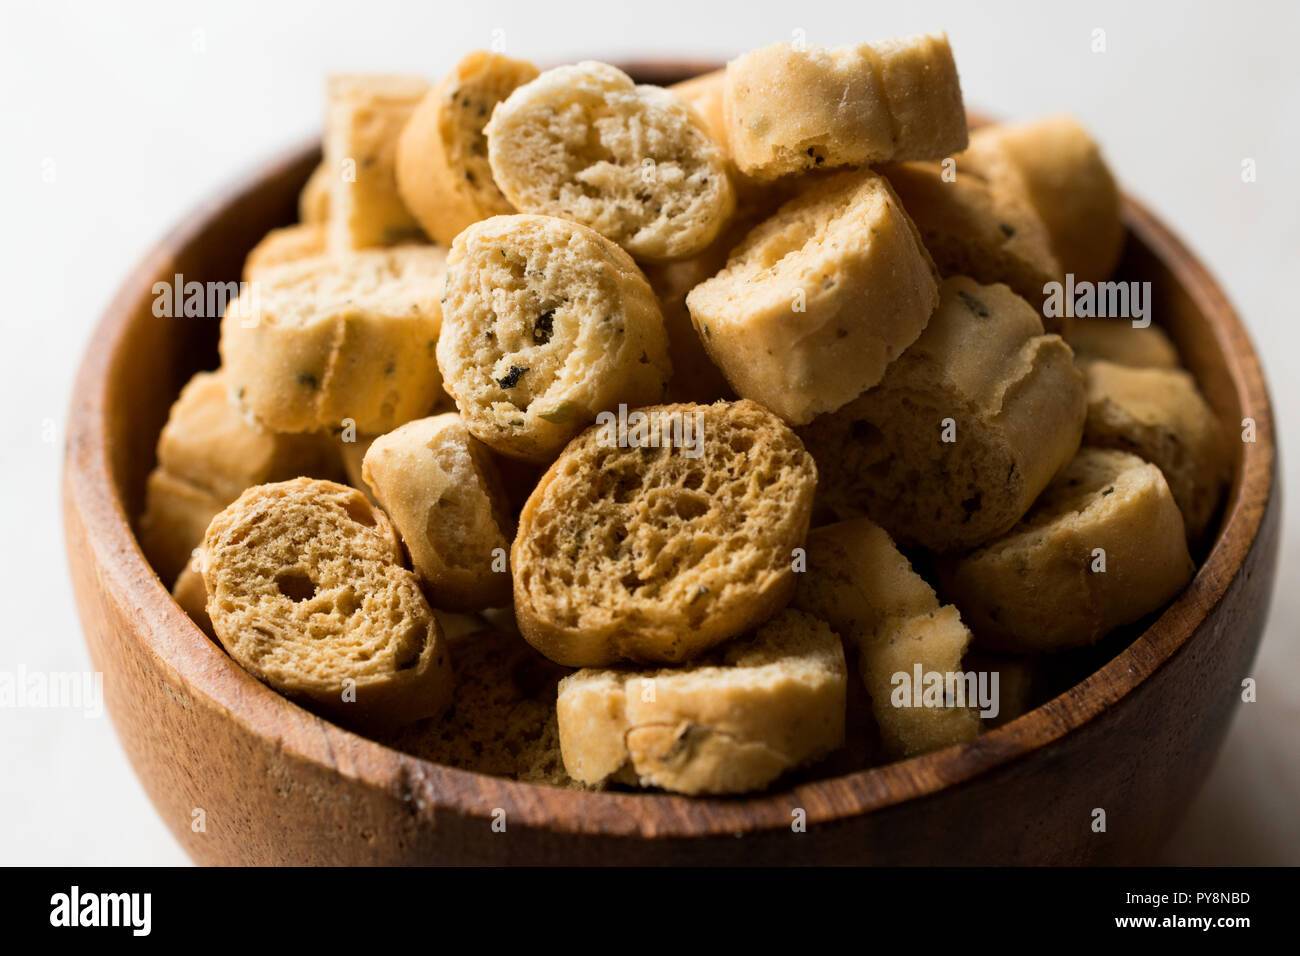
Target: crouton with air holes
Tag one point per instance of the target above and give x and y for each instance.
(1103, 546)
(443, 173)
(859, 582)
(440, 487)
(306, 591)
(1160, 415)
(330, 339)
(963, 432)
(546, 323)
(793, 108)
(819, 298)
(635, 163)
(364, 116)
(735, 722)
(647, 550)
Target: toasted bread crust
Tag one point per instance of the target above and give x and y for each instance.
(859, 583)
(635, 163)
(207, 455)
(764, 705)
(307, 592)
(974, 229)
(1062, 174)
(546, 324)
(646, 554)
(332, 339)
(792, 108)
(440, 488)
(443, 173)
(364, 116)
(1161, 416)
(817, 300)
(1107, 506)
(965, 429)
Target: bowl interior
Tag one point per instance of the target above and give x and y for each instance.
(147, 359)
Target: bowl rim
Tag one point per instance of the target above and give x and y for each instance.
(190, 659)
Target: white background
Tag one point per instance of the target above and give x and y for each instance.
(137, 112)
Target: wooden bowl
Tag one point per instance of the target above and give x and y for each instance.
(276, 784)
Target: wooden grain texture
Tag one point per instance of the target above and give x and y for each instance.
(279, 785)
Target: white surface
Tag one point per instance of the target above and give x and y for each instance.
(141, 112)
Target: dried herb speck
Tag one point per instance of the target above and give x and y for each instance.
(974, 304)
(544, 327)
(511, 378)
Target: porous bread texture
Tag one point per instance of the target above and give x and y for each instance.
(1119, 341)
(207, 455)
(1040, 587)
(819, 298)
(651, 555)
(982, 374)
(760, 707)
(306, 591)
(443, 173)
(364, 116)
(440, 487)
(860, 583)
(1063, 175)
(502, 716)
(191, 594)
(1161, 416)
(635, 163)
(315, 344)
(546, 324)
(280, 246)
(972, 229)
(314, 200)
(791, 108)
